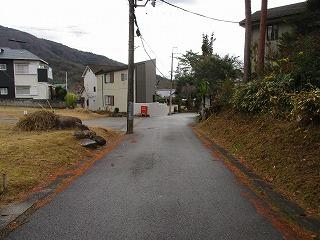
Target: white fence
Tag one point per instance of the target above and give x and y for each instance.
(154, 109)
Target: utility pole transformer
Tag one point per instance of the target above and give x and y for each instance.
(130, 100)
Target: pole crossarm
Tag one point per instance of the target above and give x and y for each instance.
(140, 5)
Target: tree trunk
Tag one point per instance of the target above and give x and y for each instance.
(262, 37)
(247, 45)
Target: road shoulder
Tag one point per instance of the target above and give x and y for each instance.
(285, 215)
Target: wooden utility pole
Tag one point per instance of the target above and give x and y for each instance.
(262, 36)
(247, 45)
(130, 100)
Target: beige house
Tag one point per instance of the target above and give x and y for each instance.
(106, 87)
(277, 24)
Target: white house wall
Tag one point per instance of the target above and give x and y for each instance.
(37, 90)
(90, 82)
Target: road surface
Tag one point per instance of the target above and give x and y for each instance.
(160, 183)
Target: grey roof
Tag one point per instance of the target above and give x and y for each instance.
(104, 68)
(98, 69)
(18, 54)
(279, 12)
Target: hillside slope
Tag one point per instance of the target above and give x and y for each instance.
(60, 57)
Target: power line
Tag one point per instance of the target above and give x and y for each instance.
(143, 46)
(199, 14)
(143, 42)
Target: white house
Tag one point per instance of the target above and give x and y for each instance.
(106, 87)
(23, 75)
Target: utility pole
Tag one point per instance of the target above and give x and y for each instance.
(66, 81)
(130, 101)
(171, 81)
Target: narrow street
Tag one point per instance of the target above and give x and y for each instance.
(160, 183)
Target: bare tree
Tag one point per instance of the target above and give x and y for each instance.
(247, 45)
(262, 36)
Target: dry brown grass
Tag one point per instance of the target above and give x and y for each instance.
(17, 112)
(281, 152)
(30, 158)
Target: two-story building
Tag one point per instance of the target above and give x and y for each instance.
(278, 23)
(23, 75)
(106, 87)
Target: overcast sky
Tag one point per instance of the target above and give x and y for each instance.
(101, 26)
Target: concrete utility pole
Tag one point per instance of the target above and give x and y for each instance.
(171, 81)
(130, 101)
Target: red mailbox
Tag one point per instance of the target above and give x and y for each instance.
(144, 111)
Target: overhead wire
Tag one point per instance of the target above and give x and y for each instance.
(143, 42)
(198, 14)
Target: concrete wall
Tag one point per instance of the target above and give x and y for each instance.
(32, 103)
(154, 109)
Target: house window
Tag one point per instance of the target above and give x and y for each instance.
(23, 90)
(22, 68)
(109, 79)
(94, 89)
(124, 77)
(104, 78)
(3, 67)
(4, 91)
(272, 32)
(109, 100)
(112, 77)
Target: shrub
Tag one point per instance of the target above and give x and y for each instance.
(116, 110)
(60, 93)
(269, 95)
(307, 107)
(70, 100)
(302, 59)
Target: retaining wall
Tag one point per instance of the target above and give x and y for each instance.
(32, 103)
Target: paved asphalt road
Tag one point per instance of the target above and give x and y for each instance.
(160, 183)
(109, 122)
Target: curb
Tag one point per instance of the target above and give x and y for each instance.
(287, 209)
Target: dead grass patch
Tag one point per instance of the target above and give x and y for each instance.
(281, 152)
(31, 158)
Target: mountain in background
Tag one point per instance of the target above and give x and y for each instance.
(165, 83)
(61, 58)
